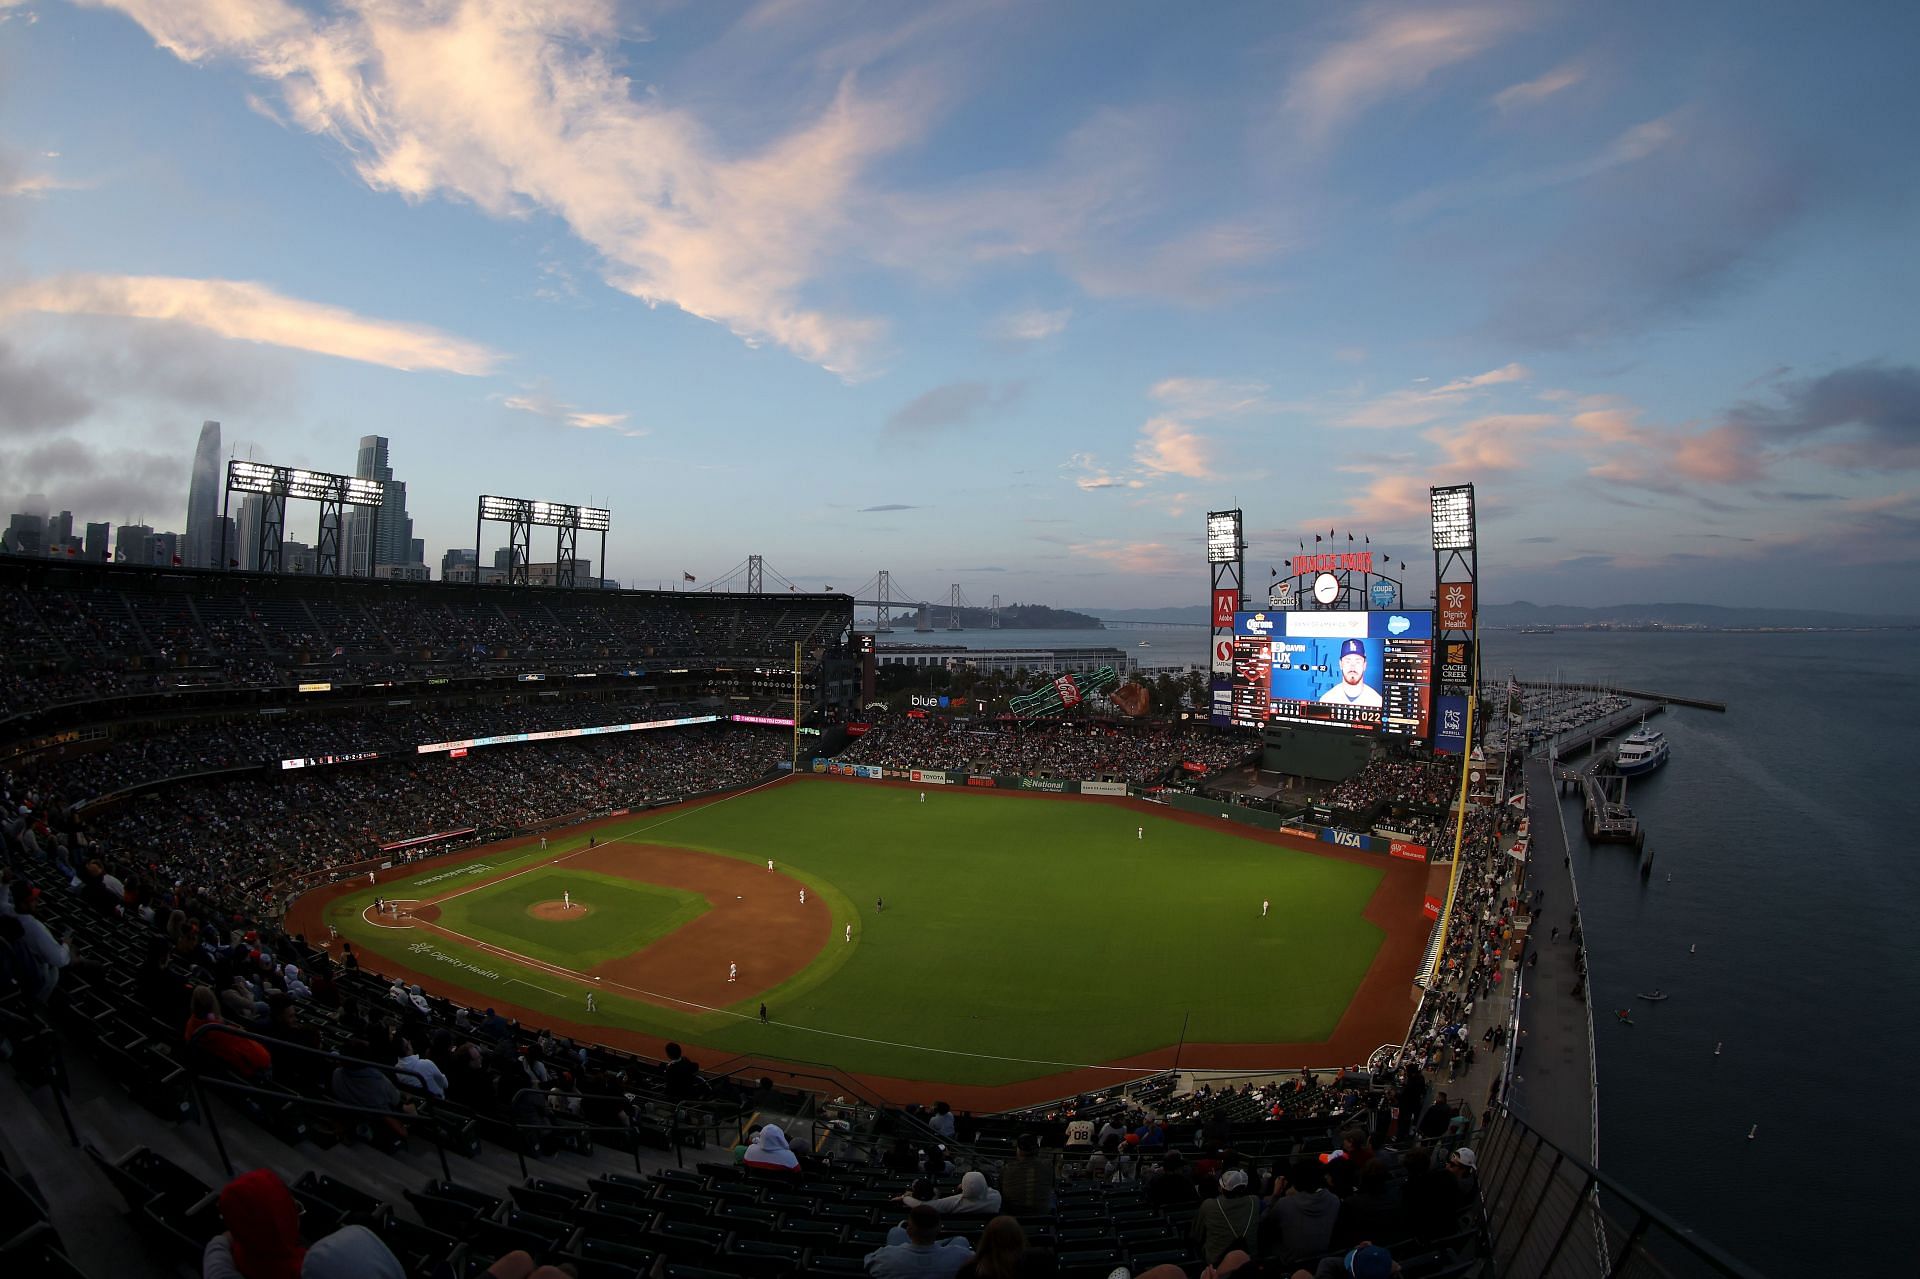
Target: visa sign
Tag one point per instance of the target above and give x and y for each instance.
(1346, 838)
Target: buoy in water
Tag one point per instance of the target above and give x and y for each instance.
(1753, 1132)
(1692, 948)
(1716, 1050)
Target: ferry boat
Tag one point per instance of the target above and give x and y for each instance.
(1641, 751)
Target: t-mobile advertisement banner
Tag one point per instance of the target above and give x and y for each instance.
(1450, 725)
(1103, 788)
(1347, 838)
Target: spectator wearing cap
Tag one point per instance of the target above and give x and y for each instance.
(1026, 1184)
(1368, 1261)
(916, 1249)
(1464, 1165)
(1229, 1222)
(975, 1198)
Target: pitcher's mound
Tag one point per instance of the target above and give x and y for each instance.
(557, 912)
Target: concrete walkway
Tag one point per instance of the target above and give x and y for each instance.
(1553, 1084)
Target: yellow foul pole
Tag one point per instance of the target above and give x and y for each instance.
(1459, 826)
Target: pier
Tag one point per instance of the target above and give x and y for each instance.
(1638, 694)
(1606, 817)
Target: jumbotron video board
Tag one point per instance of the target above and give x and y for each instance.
(1366, 672)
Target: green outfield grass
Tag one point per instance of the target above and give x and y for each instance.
(1021, 935)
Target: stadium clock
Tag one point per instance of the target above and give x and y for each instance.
(1326, 588)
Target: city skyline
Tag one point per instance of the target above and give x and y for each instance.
(988, 294)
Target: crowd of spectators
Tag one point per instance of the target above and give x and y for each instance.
(116, 634)
(1137, 752)
(1481, 949)
(183, 748)
(262, 833)
(1429, 783)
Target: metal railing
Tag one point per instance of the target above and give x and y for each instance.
(1553, 1215)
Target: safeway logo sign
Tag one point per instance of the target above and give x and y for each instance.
(1223, 657)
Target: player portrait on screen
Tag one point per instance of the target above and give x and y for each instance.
(1353, 689)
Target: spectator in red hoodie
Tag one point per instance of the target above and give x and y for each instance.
(246, 1058)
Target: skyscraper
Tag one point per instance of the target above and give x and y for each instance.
(392, 533)
(202, 539)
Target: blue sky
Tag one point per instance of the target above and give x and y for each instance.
(1002, 294)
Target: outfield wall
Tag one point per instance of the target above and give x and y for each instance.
(1383, 842)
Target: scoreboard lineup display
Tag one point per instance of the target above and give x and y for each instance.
(1369, 672)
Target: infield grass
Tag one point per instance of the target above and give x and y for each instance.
(1021, 936)
(624, 916)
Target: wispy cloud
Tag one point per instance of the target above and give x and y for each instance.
(34, 185)
(521, 107)
(252, 312)
(886, 506)
(1169, 447)
(1390, 52)
(1530, 93)
(1089, 476)
(1428, 404)
(543, 405)
(1141, 557)
(1637, 143)
(1031, 325)
(1496, 442)
(955, 404)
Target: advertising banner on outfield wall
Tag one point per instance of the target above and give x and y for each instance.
(1431, 907)
(978, 780)
(1047, 784)
(1407, 852)
(1346, 838)
(928, 776)
(1103, 788)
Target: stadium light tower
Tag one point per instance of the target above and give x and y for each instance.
(520, 515)
(276, 484)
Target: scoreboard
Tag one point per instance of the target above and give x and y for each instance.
(1369, 672)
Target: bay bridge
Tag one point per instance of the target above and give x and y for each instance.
(893, 602)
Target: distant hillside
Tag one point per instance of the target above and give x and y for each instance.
(1193, 613)
(1022, 617)
(1523, 613)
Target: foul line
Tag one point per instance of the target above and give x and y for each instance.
(595, 983)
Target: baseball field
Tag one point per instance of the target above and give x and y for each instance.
(988, 941)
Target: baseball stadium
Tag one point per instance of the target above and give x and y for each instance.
(702, 933)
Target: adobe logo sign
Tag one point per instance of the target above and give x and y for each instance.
(1225, 604)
